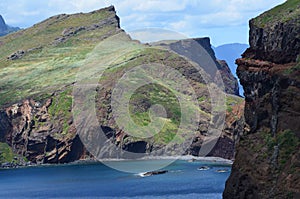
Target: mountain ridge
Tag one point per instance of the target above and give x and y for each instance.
(41, 65)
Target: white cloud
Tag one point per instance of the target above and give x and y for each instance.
(179, 25)
(30, 13)
(156, 34)
(162, 6)
(75, 5)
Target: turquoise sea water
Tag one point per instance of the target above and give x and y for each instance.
(96, 180)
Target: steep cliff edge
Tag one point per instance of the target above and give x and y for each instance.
(267, 162)
(193, 50)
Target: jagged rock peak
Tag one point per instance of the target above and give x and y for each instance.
(110, 9)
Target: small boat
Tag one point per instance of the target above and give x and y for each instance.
(222, 170)
(203, 168)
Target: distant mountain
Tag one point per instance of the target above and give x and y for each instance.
(229, 53)
(5, 29)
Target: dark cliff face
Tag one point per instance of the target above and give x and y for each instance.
(267, 160)
(275, 34)
(267, 163)
(279, 43)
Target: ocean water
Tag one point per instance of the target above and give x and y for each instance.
(95, 180)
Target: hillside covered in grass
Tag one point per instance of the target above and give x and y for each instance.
(44, 67)
(44, 58)
(290, 10)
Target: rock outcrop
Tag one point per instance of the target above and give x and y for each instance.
(267, 163)
(31, 131)
(152, 173)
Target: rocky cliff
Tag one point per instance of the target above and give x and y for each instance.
(35, 132)
(37, 102)
(274, 36)
(267, 161)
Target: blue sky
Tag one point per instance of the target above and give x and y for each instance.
(224, 21)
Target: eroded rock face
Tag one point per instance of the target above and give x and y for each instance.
(267, 163)
(265, 153)
(29, 129)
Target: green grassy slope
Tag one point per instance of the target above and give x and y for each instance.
(6, 154)
(282, 13)
(48, 66)
(82, 57)
(146, 96)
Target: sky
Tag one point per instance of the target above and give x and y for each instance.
(224, 21)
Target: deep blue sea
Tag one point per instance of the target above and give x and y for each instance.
(96, 180)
